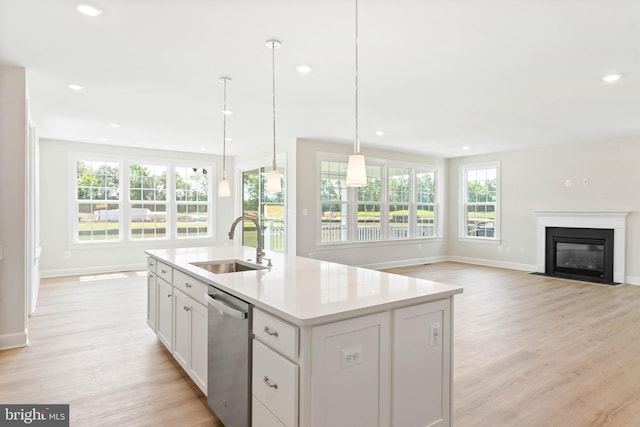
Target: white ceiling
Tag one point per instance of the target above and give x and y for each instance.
(435, 75)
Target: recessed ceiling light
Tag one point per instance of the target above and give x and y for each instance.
(203, 149)
(227, 112)
(303, 69)
(104, 139)
(88, 10)
(466, 148)
(115, 125)
(611, 78)
(75, 87)
(379, 132)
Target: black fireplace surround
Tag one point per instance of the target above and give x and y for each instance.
(580, 253)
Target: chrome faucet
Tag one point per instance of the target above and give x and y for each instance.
(259, 250)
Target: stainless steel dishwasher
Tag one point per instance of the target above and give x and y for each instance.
(229, 355)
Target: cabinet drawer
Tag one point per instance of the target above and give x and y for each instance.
(276, 333)
(261, 417)
(190, 286)
(151, 264)
(275, 383)
(164, 271)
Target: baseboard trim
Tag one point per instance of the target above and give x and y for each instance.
(91, 270)
(632, 280)
(404, 262)
(8, 341)
(491, 263)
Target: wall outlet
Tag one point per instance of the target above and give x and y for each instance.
(567, 183)
(522, 251)
(585, 181)
(435, 337)
(351, 356)
(500, 248)
(508, 249)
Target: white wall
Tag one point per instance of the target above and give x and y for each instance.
(13, 213)
(534, 180)
(93, 258)
(376, 255)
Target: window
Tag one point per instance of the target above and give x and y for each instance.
(399, 202)
(162, 200)
(97, 200)
(480, 196)
(334, 217)
(268, 208)
(192, 201)
(369, 205)
(148, 201)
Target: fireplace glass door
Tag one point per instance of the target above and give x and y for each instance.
(580, 256)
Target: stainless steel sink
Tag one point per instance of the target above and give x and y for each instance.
(227, 266)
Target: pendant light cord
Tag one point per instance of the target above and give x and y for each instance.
(224, 132)
(273, 74)
(357, 141)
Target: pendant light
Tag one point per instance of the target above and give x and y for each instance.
(356, 169)
(273, 178)
(223, 185)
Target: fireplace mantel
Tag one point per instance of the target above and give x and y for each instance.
(616, 220)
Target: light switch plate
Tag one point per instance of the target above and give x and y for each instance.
(435, 338)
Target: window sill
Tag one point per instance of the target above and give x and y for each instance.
(481, 240)
(201, 241)
(373, 243)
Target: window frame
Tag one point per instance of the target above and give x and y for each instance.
(125, 202)
(463, 204)
(352, 203)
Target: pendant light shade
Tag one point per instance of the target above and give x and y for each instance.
(223, 185)
(356, 169)
(273, 178)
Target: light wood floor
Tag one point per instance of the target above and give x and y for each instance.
(90, 347)
(528, 351)
(535, 351)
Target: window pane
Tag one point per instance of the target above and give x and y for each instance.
(399, 185)
(481, 220)
(334, 223)
(425, 187)
(398, 221)
(98, 221)
(426, 221)
(333, 181)
(369, 222)
(192, 220)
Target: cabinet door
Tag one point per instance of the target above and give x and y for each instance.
(165, 312)
(350, 363)
(422, 365)
(152, 300)
(199, 345)
(182, 329)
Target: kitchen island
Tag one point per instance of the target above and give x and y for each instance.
(345, 345)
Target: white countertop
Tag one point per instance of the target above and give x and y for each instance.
(306, 291)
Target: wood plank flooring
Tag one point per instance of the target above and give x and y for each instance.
(90, 347)
(535, 351)
(528, 351)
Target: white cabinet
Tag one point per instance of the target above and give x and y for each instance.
(164, 325)
(190, 337)
(152, 300)
(422, 365)
(177, 312)
(275, 374)
(350, 364)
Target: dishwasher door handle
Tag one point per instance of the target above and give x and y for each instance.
(230, 311)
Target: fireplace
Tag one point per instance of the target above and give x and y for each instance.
(580, 253)
(612, 220)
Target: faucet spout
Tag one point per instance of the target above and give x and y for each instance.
(260, 247)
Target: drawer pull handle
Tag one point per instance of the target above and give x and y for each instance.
(150, 274)
(268, 331)
(268, 382)
(186, 308)
(164, 271)
(188, 285)
(169, 296)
